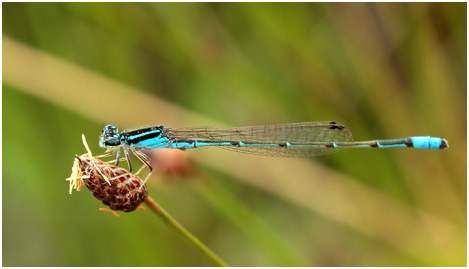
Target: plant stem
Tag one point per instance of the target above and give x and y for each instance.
(167, 218)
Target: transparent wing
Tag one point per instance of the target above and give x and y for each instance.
(283, 140)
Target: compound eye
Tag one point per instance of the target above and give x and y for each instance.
(112, 141)
(110, 129)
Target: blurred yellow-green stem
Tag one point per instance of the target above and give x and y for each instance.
(169, 220)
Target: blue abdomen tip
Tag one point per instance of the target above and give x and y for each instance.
(427, 142)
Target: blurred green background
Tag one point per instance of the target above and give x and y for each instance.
(383, 70)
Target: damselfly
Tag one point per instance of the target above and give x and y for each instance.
(283, 140)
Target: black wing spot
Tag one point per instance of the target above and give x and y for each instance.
(330, 145)
(374, 145)
(333, 122)
(335, 126)
(283, 145)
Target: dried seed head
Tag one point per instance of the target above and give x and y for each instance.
(114, 186)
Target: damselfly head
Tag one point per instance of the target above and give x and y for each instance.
(109, 137)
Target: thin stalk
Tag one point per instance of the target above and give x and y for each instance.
(168, 219)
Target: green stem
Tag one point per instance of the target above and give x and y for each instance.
(185, 233)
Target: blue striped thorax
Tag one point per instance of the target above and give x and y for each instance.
(148, 138)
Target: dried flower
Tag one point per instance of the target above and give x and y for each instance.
(114, 186)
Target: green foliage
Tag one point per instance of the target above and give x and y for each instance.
(384, 70)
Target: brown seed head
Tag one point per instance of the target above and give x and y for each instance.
(114, 186)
